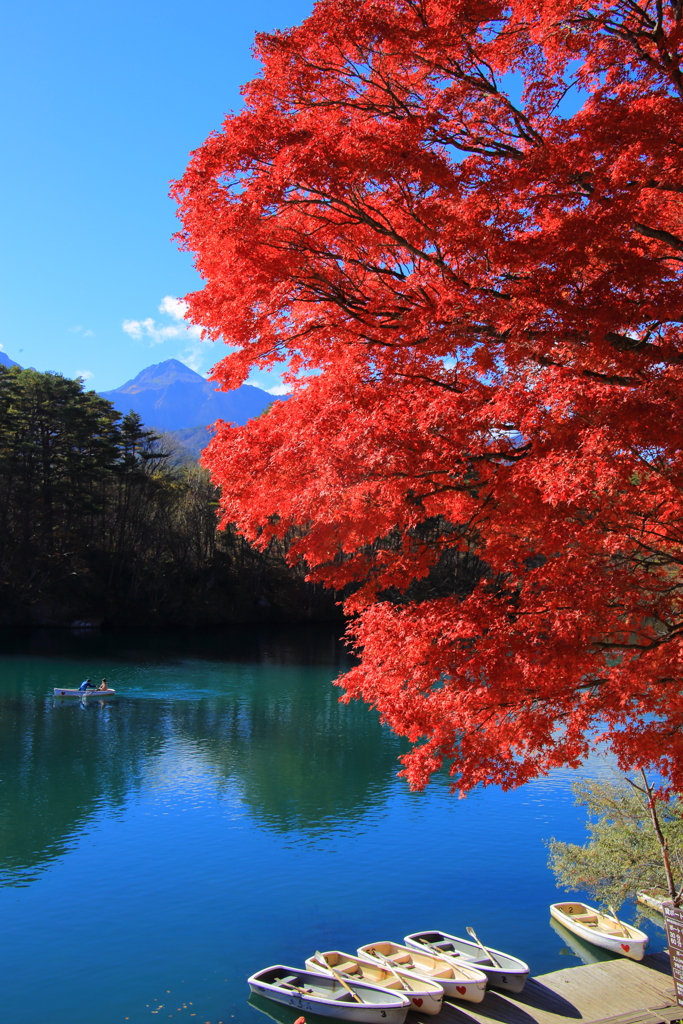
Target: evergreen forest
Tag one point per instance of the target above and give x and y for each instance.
(104, 521)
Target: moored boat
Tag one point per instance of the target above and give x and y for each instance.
(66, 692)
(314, 992)
(425, 995)
(502, 970)
(601, 929)
(585, 951)
(653, 898)
(460, 981)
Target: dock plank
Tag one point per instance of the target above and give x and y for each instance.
(610, 992)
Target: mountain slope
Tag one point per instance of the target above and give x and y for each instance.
(6, 361)
(171, 396)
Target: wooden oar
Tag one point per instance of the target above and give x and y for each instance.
(336, 975)
(614, 915)
(489, 954)
(439, 952)
(390, 967)
(304, 991)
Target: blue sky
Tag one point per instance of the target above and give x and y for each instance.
(102, 103)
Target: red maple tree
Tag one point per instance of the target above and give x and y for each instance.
(476, 296)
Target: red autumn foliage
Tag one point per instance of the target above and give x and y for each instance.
(478, 300)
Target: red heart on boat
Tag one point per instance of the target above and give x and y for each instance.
(461, 989)
(418, 1002)
(625, 947)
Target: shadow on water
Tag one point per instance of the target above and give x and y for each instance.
(270, 730)
(276, 644)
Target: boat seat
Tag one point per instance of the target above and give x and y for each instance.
(346, 967)
(585, 918)
(290, 979)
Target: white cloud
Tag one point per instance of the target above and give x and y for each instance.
(279, 389)
(177, 308)
(86, 374)
(148, 328)
(78, 329)
(157, 333)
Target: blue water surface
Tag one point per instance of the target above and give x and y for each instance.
(224, 812)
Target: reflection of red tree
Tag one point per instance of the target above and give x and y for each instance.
(480, 303)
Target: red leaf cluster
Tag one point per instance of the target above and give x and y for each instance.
(477, 299)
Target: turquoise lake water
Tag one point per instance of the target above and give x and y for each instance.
(224, 813)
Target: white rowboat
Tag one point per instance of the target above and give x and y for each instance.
(653, 898)
(59, 692)
(501, 970)
(425, 996)
(460, 981)
(587, 952)
(601, 929)
(310, 991)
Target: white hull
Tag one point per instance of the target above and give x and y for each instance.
(587, 952)
(459, 981)
(653, 901)
(509, 975)
(606, 932)
(424, 995)
(59, 692)
(329, 998)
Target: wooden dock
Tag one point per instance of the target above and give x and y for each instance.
(611, 992)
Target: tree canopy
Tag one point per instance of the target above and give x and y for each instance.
(622, 855)
(458, 227)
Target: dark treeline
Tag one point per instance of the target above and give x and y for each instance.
(101, 520)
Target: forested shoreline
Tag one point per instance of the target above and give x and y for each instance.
(102, 521)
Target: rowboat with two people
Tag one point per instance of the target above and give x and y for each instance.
(314, 992)
(605, 930)
(86, 689)
(460, 981)
(60, 692)
(424, 995)
(501, 970)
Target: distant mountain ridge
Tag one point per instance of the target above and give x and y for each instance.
(170, 396)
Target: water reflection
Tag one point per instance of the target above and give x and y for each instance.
(302, 761)
(271, 731)
(57, 766)
(585, 951)
(283, 1014)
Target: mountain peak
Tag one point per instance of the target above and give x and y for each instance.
(171, 396)
(160, 376)
(6, 361)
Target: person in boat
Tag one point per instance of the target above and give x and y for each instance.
(86, 685)
(103, 685)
